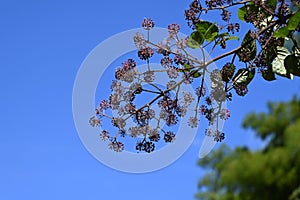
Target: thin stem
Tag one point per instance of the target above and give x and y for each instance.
(226, 6)
(177, 91)
(151, 85)
(151, 91)
(233, 58)
(201, 88)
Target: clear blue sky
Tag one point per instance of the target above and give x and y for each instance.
(42, 45)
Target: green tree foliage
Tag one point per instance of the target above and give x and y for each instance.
(270, 173)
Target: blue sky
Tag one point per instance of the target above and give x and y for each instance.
(42, 45)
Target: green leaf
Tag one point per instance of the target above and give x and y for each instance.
(204, 31)
(195, 40)
(187, 68)
(268, 75)
(213, 36)
(196, 74)
(244, 75)
(294, 21)
(233, 37)
(278, 63)
(272, 3)
(207, 29)
(249, 47)
(292, 64)
(241, 13)
(281, 33)
(292, 25)
(223, 35)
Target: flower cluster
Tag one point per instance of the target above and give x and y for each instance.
(146, 146)
(116, 146)
(227, 72)
(141, 121)
(241, 89)
(169, 110)
(127, 72)
(192, 14)
(217, 135)
(145, 53)
(148, 126)
(169, 136)
(148, 23)
(214, 3)
(262, 49)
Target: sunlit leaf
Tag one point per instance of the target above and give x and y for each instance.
(281, 33)
(195, 40)
(187, 68)
(233, 37)
(241, 13)
(196, 74)
(244, 76)
(207, 29)
(278, 63)
(294, 21)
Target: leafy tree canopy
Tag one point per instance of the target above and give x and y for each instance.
(270, 173)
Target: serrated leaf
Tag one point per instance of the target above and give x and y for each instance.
(278, 63)
(244, 76)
